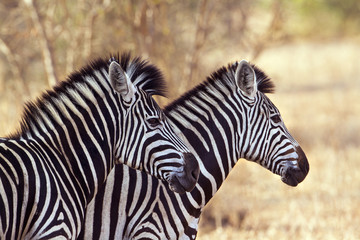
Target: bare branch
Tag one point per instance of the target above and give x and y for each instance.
(202, 32)
(273, 28)
(91, 17)
(47, 52)
(15, 68)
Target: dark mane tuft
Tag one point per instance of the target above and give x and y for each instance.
(143, 74)
(225, 75)
(264, 83)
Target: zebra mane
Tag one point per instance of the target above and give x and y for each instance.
(225, 76)
(141, 73)
(264, 83)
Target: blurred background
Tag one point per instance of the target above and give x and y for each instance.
(310, 48)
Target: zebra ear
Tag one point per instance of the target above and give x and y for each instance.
(120, 81)
(245, 79)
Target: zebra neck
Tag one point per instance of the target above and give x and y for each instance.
(211, 133)
(77, 124)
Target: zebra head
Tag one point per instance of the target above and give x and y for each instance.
(266, 140)
(147, 141)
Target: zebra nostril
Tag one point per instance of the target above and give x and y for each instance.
(191, 165)
(302, 161)
(194, 174)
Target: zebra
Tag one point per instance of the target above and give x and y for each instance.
(70, 138)
(225, 118)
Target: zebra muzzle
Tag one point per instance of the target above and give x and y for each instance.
(186, 180)
(296, 174)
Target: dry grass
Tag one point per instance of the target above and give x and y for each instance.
(318, 95)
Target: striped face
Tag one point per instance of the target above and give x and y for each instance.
(268, 142)
(147, 142)
(273, 147)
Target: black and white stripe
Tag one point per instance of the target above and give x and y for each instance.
(226, 118)
(71, 137)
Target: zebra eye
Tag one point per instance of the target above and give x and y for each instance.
(276, 118)
(154, 122)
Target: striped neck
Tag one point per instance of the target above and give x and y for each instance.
(213, 118)
(219, 145)
(77, 122)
